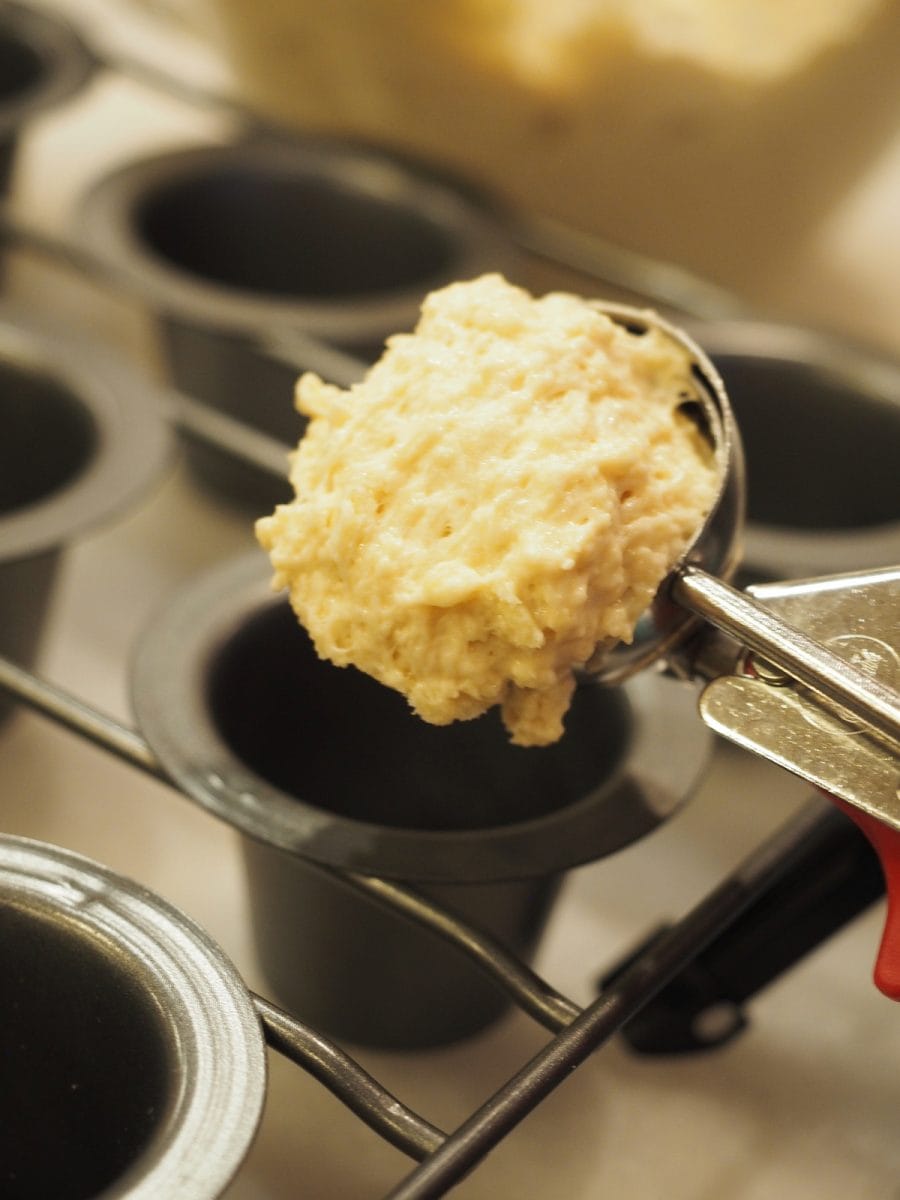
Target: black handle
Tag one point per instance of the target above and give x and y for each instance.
(835, 877)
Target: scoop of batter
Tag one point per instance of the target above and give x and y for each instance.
(505, 489)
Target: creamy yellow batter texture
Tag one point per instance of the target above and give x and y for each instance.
(504, 490)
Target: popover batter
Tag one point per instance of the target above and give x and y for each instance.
(505, 489)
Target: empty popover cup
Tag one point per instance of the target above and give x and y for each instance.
(43, 62)
(133, 1064)
(820, 423)
(322, 766)
(233, 244)
(81, 442)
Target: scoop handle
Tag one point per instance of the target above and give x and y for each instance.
(885, 842)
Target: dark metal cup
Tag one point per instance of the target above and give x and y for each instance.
(133, 1064)
(323, 767)
(820, 423)
(80, 443)
(43, 62)
(234, 246)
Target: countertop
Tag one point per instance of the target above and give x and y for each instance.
(801, 1105)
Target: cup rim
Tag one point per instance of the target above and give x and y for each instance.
(664, 761)
(212, 1031)
(66, 59)
(105, 218)
(134, 441)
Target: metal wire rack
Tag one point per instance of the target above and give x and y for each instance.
(446, 1158)
(443, 1158)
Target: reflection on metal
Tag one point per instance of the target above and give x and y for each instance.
(856, 618)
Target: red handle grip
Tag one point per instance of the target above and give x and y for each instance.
(886, 844)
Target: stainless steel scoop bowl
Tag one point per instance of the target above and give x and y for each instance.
(829, 646)
(716, 546)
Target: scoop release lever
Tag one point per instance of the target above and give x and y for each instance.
(857, 617)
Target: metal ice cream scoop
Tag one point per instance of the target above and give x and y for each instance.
(804, 673)
(738, 629)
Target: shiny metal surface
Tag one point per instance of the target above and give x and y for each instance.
(144, 1015)
(716, 546)
(840, 679)
(819, 416)
(362, 1094)
(302, 239)
(697, 585)
(131, 1005)
(132, 443)
(445, 1158)
(43, 62)
(532, 994)
(307, 196)
(841, 746)
(82, 442)
(303, 758)
(637, 984)
(815, 1062)
(614, 799)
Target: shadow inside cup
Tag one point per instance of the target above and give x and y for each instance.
(79, 444)
(43, 63)
(133, 1063)
(233, 244)
(368, 759)
(49, 436)
(283, 234)
(323, 767)
(86, 1062)
(820, 424)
